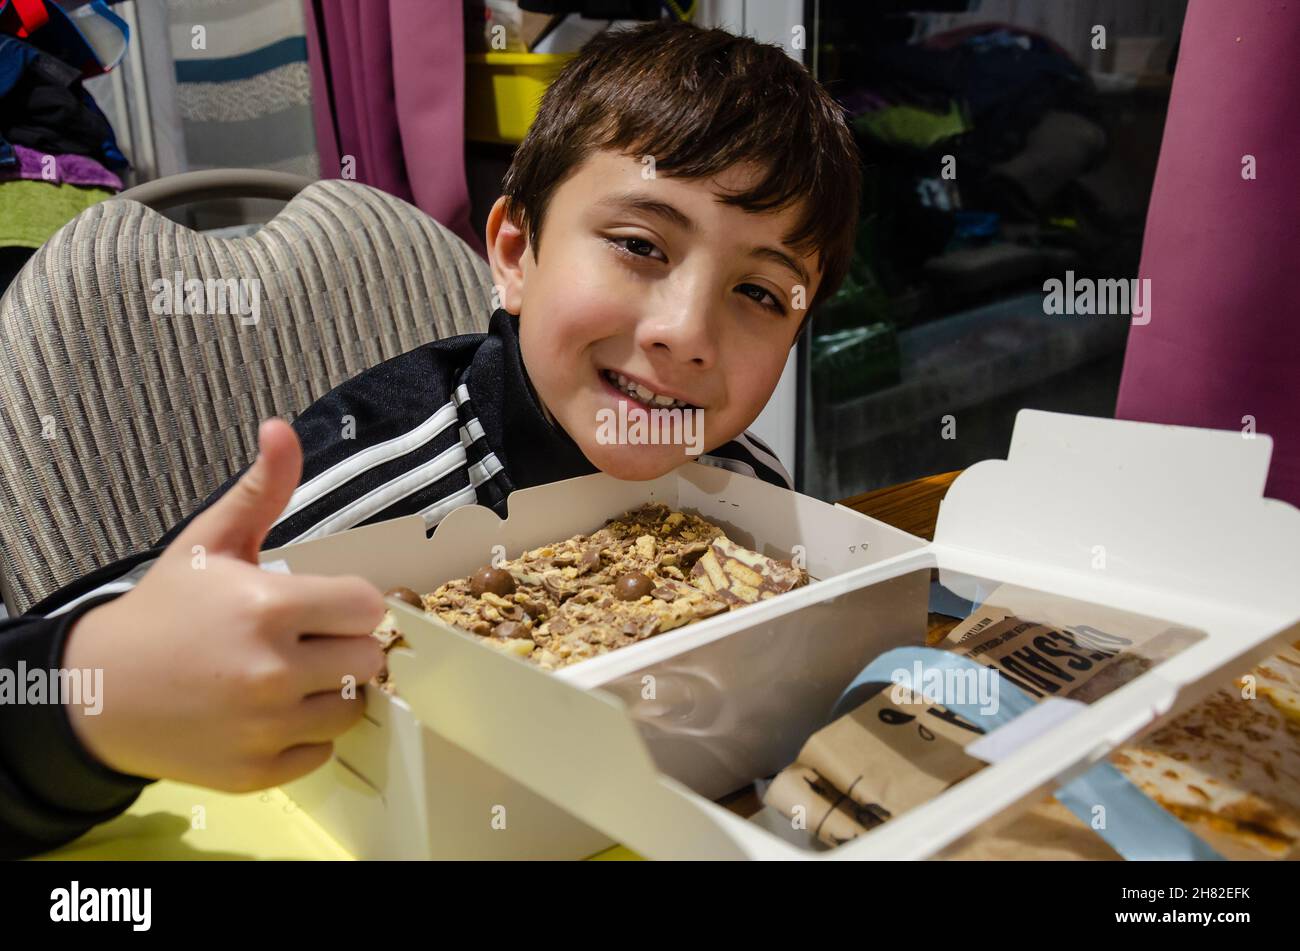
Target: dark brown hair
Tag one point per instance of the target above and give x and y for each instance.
(700, 101)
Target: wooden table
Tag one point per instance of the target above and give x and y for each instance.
(162, 822)
(910, 506)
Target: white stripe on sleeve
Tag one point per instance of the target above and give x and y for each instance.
(765, 457)
(316, 488)
(381, 497)
(438, 511)
(124, 583)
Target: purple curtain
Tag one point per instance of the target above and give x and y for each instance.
(1223, 251)
(388, 89)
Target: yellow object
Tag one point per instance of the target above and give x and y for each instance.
(174, 821)
(503, 90)
(31, 211)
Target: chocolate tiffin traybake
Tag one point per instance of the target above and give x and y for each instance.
(646, 572)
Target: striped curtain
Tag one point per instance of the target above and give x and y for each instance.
(243, 88)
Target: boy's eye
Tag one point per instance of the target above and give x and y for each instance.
(756, 293)
(639, 247)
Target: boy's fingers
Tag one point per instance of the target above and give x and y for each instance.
(297, 761)
(322, 717)
(237, 522)
(332, 605)
(324, 661)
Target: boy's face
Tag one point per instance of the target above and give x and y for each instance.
(654, 280)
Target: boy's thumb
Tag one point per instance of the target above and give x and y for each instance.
(237, 523)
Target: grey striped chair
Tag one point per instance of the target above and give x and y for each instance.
(116, 422)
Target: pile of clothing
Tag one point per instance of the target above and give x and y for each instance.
(975, 143)
(58, 153)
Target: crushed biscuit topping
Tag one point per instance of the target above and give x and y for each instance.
(566, 605)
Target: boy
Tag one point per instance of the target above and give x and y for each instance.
(697, 193)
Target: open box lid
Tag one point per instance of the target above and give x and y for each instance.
(1167, 521)
(1186, 537)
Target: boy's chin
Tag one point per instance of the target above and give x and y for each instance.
(636, 463)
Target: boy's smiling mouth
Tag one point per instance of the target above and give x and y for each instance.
(639, 392)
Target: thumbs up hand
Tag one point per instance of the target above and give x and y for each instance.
(219, 673)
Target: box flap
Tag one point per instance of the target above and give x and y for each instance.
(1167, 507)
(522, 720)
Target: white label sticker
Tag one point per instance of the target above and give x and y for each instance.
(996, 746)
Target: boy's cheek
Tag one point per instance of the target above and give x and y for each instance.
(750, 393)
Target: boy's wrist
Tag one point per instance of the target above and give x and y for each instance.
(60, 778)
(88, 643)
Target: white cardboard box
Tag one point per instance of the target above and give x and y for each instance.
(470, 760)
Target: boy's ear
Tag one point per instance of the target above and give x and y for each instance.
(506, 246)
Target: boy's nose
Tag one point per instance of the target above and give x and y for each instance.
(683, 334)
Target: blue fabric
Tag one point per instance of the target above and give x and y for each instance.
(63, 39)
(44, 106)
(15, 58)
(292, 49)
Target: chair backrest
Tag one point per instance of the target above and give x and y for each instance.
(119, 414)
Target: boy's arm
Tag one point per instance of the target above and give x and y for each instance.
(51, 789)
(207, 675)
(387, 423)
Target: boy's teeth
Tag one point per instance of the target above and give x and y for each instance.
(642, 393)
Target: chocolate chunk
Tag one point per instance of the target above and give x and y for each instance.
(688, 556)
(590, 561)
(405, 594)
(508, 629)
(740, 576)
(631, 586)
(557, 585)
(639, 628)
(491, 579)
(536, 610)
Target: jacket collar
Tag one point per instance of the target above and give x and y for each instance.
(533, 450)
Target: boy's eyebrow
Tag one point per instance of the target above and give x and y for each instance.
(780, 257)
(634, 201)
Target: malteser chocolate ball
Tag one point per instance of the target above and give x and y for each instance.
(632, 585)
(405, 594)
(495, 580)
